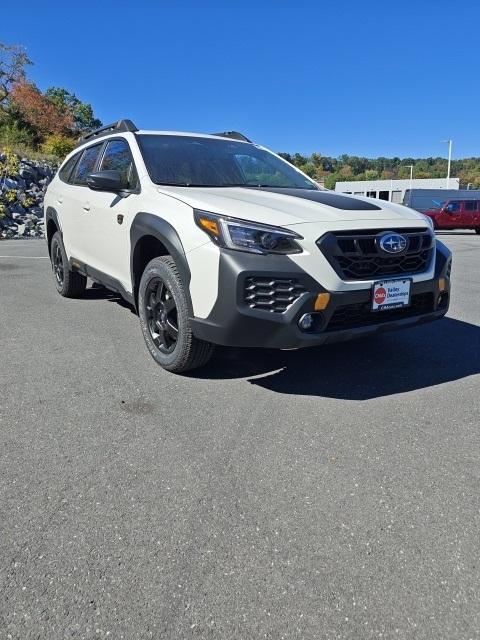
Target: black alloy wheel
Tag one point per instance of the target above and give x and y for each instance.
(165, 311)
(161, 315)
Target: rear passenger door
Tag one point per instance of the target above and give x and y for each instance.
(109, 214)
(73, 217)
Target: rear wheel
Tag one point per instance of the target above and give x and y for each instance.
(70, 284)
(164, 318)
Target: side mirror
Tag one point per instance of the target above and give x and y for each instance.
(106, 181)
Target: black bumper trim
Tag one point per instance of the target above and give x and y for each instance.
(233, 323)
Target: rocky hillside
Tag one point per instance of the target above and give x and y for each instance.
(23, 183)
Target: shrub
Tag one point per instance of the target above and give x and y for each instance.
(13, 134)
(8, 167)
(11, 195)
(58, 145)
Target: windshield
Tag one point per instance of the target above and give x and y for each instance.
(188, 161)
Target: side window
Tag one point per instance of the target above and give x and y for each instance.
(86, 164)
(117, 157)
(453, 207)
(471, 205)
(66, 170)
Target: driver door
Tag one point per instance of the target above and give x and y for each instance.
(109, 212)
(450, 215)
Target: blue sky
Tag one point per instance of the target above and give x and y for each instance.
(367, 78)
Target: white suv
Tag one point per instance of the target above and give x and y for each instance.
(216, 240)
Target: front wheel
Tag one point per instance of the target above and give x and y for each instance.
(164, 318)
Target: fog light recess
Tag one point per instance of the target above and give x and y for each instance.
(442, 300)
(311, 322)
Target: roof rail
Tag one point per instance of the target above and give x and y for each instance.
(116, 127)
(235, 135)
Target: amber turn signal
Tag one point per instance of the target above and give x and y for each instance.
(322, 301)
(442, 284)
(209, 225)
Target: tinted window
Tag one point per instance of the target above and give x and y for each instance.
(470, 205)
(66, 170)
(453, 207)
(117, 157)
(189, 161)
(86, 164)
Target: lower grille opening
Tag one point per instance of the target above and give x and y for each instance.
(361, 315)
(271, 294)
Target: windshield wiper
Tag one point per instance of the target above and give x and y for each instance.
(230, 184)
(193, 184)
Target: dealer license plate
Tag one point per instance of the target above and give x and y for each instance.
(391, 294)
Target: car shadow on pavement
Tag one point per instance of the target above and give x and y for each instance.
(99, 292)
(391, 363)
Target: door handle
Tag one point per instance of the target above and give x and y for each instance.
(86, 206)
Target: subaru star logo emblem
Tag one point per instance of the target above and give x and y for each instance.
(392, 243)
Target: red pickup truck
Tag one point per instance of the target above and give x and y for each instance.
(456, 214)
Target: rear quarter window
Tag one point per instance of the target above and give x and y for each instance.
(86, 164)
(66, 170)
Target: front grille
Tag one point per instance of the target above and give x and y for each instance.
(361, 315)
(356, 255)
(271, 294)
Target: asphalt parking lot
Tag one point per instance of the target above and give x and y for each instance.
(328, 493)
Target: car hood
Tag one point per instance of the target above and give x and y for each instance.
(287, 207)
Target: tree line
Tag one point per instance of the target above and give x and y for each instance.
(344, 168)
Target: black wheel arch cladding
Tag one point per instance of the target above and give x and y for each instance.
(149, 224)
(51, 215)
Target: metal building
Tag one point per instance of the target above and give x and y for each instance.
(393, 190)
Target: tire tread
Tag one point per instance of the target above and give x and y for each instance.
(195, 353)
(74, 283)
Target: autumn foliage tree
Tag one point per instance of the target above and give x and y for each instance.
(38, 111)
(29, 118)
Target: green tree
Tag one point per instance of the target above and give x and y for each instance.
(67, 102)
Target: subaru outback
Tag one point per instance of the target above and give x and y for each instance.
(217, 241)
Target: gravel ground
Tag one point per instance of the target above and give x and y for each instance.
(327, 493)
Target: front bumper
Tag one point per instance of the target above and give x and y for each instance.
(232, 322)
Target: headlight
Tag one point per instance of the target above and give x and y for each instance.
(247, 236)
(429, 221)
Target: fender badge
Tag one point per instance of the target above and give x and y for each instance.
(120, 218)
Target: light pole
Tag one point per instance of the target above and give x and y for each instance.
(449, 160)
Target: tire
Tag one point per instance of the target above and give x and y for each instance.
(164, 319)
(477, 230)
(70, 284)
